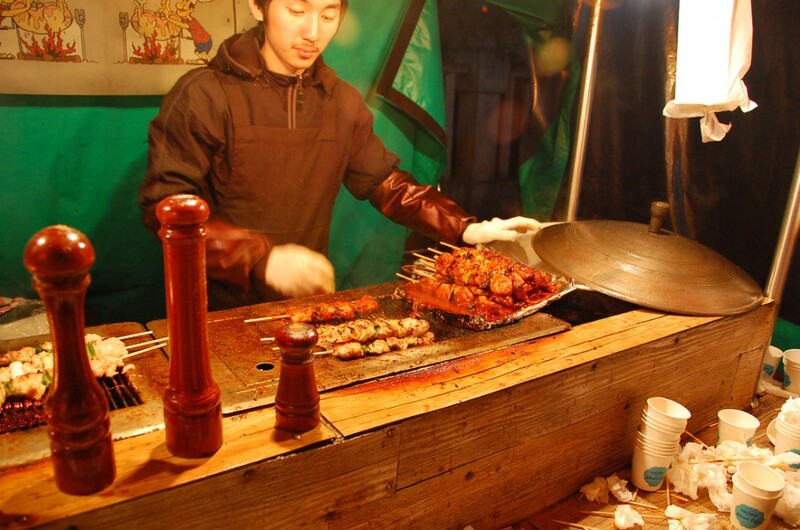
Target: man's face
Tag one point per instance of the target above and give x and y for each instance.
(296, 32)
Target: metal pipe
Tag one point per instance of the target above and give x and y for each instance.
(786, 241)
(584, 112)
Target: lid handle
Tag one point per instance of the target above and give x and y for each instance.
(658, 212)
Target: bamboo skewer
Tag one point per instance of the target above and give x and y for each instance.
(265, 319)
(424, 258)
(140, 334)
(147, 343)
(643, 505)
(267, 339)
(576, 525)
(151, 348)
(435, 251)
(695, 438)
(448, 245)
(404, 277)
(611, 514)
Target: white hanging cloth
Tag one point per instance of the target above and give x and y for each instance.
(715, 40)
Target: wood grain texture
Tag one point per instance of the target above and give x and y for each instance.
(485, 439)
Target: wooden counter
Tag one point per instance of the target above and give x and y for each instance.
(483, 440)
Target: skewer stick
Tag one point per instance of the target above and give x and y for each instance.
(140, 334)
(724, 460)
(323, 352)
(424, 258)
(265, 319)
(435, 251)
(448, 245)
(695, 438)
(267, 339)
(643, 505)
(151, 348)
(404, 277)
(147, 343)
(611, 514)
(575, 525)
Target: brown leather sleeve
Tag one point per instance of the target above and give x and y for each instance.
(234, 254)
(421, 208)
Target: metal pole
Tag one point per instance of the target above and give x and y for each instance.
(786, 241)
(584, 111)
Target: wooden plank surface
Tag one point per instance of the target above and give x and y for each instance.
(478, 440)
(28, 495)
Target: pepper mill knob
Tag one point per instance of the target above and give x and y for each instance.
(297, 397)
(59, 258)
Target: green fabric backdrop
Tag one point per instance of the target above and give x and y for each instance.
(79, 160)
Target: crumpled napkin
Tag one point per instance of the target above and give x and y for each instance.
(715, 40)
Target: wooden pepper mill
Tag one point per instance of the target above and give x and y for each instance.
(297, 397)
(192, 407)
(59, 258)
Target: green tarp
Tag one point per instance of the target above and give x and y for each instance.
(79, 160)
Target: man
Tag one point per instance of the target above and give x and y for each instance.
(267, 134)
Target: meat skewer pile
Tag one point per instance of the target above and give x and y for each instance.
(361, 337)
(325, 312)
(356, 350)
(482, 283)
(27, 373)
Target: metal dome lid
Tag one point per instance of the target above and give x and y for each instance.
(647, 266)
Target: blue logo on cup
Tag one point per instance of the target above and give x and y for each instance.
(769, 369)
(797, 452)
(748, 516)
(655, 476)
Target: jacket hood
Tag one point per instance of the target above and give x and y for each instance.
(240, 55)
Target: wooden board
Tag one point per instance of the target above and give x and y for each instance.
(481, 440)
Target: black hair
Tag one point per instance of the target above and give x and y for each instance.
(264, 3)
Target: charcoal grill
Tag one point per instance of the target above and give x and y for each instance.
(134, 399)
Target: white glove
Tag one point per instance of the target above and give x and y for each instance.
(295, 270)
(499, 230)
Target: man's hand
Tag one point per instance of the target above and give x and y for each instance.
(499, 230)
(294, 271)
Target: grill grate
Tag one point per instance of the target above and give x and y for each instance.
(21, 414)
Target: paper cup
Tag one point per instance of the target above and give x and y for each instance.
(659, 433)
(647, 442)
(668, 411)
(791, 370)
(771, 360)
(736, 425)
(760, 480)
(756, 490)
(648, 470)
(787, 438)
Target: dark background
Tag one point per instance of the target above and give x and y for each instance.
(730, 195)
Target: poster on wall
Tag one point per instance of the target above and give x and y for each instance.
(110, 47)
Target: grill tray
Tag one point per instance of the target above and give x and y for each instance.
(22, 414)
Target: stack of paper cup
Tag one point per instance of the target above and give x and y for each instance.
(756, 490)
(787, 433)
(657, 441)
(791, 370)
(736, 425)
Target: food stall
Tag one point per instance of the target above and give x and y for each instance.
(483, 427)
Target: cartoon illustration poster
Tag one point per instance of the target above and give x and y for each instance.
(110, 47)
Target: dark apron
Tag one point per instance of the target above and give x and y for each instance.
(283, 183)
